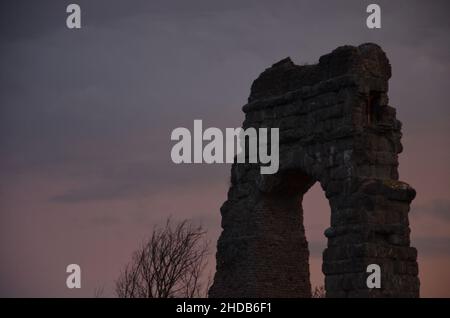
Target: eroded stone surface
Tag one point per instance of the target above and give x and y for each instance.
(336, 128)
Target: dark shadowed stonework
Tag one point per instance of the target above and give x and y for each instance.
(336, 128)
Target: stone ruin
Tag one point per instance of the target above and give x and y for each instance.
(336, 128)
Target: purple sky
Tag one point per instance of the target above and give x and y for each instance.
(86, 117)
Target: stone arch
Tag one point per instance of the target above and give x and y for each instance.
(336, 128)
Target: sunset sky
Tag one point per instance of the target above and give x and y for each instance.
(86, 117)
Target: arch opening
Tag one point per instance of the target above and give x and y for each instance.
(316, 219)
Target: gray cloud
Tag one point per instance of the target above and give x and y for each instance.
(316, 248)
(141, 64)
(432, 246)
(439, 209)
(132, 181)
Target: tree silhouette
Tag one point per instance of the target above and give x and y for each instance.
(319, 292)
(170, 264)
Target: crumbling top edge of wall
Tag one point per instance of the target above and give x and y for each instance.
(365, 60)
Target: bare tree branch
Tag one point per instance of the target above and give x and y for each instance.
(170, 264)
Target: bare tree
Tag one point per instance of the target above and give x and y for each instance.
(319, 292)
(98, 292)
(170, 264)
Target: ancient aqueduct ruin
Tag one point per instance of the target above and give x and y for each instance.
(336, 128)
